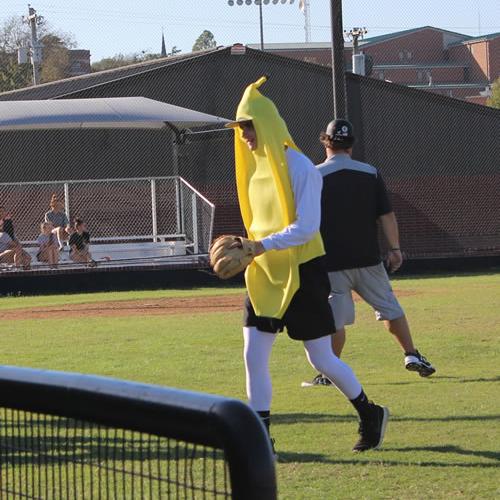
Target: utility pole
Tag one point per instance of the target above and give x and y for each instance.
(355, 34)
(36, 47)
(358, 60)
(338, 71)
(261, 23)
(304, 6)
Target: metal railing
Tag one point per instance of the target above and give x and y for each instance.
(154, 209)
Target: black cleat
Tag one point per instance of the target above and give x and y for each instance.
(372, 428)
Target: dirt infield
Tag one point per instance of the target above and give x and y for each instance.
(145, 307)
(121, 308)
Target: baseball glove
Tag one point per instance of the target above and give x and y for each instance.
(229, 255)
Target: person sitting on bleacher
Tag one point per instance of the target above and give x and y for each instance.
(11, 251)
(59, 220)
(6, 218)
(79, 244)
(48, 247)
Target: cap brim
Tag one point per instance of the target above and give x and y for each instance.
(237, 123)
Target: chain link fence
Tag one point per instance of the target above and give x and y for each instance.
(439, 154)
(119, 212)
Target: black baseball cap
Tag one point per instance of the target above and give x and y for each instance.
(340, 131)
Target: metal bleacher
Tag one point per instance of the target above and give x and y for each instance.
(138, 223)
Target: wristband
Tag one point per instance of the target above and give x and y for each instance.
(395, 250)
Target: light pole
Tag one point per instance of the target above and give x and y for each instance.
(261, 18)
(338, 71)
(355, 34)
(358, 60)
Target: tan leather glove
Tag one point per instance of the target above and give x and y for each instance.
(229, 255)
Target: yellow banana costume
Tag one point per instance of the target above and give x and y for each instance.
(267, 204)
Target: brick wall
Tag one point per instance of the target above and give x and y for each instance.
(494, 59)
(438, 215)
(422, 46)
(447, 215)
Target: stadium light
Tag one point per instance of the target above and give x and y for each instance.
(231, 3)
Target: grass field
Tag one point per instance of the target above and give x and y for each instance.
(443, 438)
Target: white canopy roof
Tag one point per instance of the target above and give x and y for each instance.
(112, 112)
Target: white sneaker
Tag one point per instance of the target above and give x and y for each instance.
(415, 362)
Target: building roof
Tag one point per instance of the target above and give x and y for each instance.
(477, 85)
(67, 86)
(422, 65)
(362, 42)
(77, 85)
(480, 38)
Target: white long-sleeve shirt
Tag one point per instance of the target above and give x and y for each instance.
(307, 183)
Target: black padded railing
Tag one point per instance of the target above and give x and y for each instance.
(66, 435)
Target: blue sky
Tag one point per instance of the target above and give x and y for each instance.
(110, 27)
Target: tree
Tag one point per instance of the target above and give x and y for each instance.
(12, 75)
(174, 51)
(119, 60)
(494, 100)
(55, 61)
(205, 41)
(15, 34)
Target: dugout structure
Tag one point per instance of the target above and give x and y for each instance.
(134, 222)
(67, 435)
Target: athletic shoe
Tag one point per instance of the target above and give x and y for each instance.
(319, 379)
(415, 362)
(372, 428)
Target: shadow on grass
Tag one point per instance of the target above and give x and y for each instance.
(442, 378)
(494, 455)
(376, 458)
(100, 452)
(295, 418)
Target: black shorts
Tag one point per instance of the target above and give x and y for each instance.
(309, 315)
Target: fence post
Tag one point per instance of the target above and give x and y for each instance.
(195, 223)
(66, 200)
(211, 230)
(178, 202)
(153, 210)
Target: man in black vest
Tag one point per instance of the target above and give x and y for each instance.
(354, 199)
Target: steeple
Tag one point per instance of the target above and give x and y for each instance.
(163, 48)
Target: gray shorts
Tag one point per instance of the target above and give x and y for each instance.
(372, 284)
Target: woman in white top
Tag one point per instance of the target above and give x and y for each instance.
(49, 248)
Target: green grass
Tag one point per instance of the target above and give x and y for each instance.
(443, 437)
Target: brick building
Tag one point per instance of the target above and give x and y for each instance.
(79, 62)
(428, 58)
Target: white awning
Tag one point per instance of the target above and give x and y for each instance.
(111, 112)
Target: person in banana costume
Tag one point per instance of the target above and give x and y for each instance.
(279, 192)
